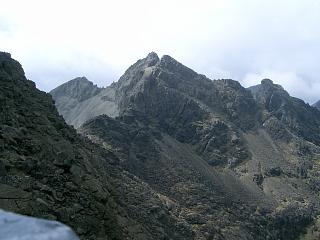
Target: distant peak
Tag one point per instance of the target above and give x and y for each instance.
(167, 58)
(153, 55)
(266, 81)
(79, 88)
(268, 84)
(152, 59)
(80, 79)
(169, 63)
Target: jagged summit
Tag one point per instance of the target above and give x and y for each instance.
(266, 85)
(267, 88)
(79, 100)
(79, 88)
(152, 59)
(168, 59)
(266, 81)
(79, 79)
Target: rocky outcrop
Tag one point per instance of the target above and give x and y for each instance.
(79, 88)
(15, 226)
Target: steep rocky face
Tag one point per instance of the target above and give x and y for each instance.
(214, 148)
(47, 170)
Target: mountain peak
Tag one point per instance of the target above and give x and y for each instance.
(79, 88)
(266, 86)
(152, 59)
(266, 81)
(80, 79)
(152, 55)
(169, 60)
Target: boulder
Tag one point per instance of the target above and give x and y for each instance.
(18, 227)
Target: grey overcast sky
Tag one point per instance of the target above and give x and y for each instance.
(245, 40)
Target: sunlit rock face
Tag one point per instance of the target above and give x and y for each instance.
(19, 227)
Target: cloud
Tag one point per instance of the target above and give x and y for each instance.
(59, 40)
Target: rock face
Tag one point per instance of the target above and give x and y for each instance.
(15, 226)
